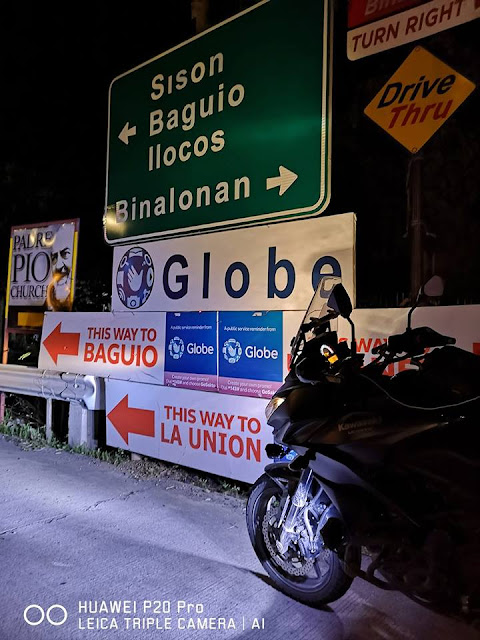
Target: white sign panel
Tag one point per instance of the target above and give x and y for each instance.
(121, 345)
(264, 268)
(374, 326)
(409, 26)
(42, 265)
(207, 431)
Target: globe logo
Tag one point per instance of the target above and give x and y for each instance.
(176, 347)
(135, 276)
(232, 350)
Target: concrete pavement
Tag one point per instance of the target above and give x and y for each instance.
(77, 533)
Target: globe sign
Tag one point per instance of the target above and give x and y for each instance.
(176, 347)
(232, 350)
(135, 276)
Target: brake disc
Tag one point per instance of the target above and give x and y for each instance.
(306, 566)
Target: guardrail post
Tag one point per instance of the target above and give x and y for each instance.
(49, 420)
(81, 427)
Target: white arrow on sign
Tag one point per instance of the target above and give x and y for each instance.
(284, 180)
(126, 132)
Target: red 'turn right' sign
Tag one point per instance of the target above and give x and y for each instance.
(364, 11)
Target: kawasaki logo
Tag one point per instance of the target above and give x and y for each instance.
(359, 421)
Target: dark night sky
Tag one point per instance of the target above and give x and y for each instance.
(57, 63)
(57, 67)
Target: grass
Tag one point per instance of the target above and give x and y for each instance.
(36, 437)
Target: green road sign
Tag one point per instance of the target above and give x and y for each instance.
(228, 129)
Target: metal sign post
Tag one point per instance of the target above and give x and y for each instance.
(415, 102)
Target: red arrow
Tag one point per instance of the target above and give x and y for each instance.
(61, 344)
(127, 420)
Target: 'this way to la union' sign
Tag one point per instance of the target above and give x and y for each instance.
(228, 129)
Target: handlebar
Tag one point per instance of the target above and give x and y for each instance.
(413, 342)
(380, 349)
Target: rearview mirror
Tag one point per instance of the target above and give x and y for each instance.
(339, 301)
(434, 287)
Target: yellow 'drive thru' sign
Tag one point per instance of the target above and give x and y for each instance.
(420, 96)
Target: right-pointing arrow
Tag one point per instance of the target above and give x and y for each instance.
(284, 180)
(127, 420)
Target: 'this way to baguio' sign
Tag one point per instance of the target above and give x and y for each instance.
(228, 129)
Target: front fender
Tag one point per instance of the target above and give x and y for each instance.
(281, 470)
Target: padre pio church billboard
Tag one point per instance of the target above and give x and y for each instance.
(41, 274)
(42, 265)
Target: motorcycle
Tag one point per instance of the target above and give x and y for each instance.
(374, 477)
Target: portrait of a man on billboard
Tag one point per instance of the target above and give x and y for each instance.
(59, 291)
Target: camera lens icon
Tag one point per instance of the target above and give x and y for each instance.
(34, 615)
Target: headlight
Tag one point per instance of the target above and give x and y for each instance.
(273, 406)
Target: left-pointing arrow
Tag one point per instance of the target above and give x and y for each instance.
(61, 344)
(127, 420)
(127, 132)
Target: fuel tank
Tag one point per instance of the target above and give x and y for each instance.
(375, 409)
(333, 414)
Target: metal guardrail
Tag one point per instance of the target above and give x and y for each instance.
(85, 390)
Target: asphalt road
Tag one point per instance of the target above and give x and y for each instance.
(75, 532)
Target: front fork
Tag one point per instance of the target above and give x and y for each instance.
(291, 510)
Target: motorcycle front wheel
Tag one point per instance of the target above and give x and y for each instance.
(315, 582)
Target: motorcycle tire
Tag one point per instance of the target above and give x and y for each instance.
(314, 591)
